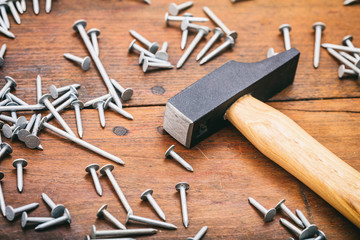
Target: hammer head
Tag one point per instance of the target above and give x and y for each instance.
(198, 111)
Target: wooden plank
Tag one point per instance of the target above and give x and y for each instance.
(228, 169)
(41, 41)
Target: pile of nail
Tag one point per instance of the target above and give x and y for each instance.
(15, 7)
(59, 214)
(121, 230)
(348, 55)
(306, 230)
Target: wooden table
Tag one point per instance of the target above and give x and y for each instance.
(228, 169)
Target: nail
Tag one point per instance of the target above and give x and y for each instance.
(62, 106)
(133, 46)
(16, 99)
(307, 233)
(25, 220)
(349, 2)
(169, 18)
(5, 149)
(340, 48)
(36, 107)
(38, 88)
(36, 6)
(44, 124)
(84, 62)
(147, 195)
(11, 213)
(220, 24)
(95, 234)
(2, 200)
(102, 212)
(13, 113)
(2, 53)
(91, 102)
(106, 170)
(93, 35)
(32, 140)
(270, 53)
(229, 43)
(343, 60)
(66, 218)
(4, 14)
(318, 27)
(19, 7)
(48, 6)
(14, 12)
(54, 91)
(23, 5)
(79, 26)
(45, 100)
(121, 111)
(176, 157)
(203, 31)
(100, 107)
(351, 58)
(57, 210)
(10, 83)
(157, 65)
(287, 211)
(66, 96)
(19, 164)
(342, 71)
(77, 105)
(152, 46)
(23, 133)
(92, 168)
(142, 57)
(285, 30)
(126, 93)
(162, 54)
(182, 187)
(348, 42)
(268, 214)
(200, 234)
(184, 35)
(151, 222)
(175, 9)
(218, 33)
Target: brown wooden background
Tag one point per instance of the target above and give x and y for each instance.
(228, 169)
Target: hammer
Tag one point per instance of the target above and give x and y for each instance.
(235, 92)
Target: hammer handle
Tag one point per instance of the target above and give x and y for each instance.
(286, 143)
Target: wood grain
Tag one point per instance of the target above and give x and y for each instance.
(228, 169)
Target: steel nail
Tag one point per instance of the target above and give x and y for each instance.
(287, 211)
(77, 105)
(147, 195)
(16, 99)
(62, 106)
(176, 157)
(2, 53)
(162, 54)
(57, 210)
(152, 46)
(182, 187)
(93, 35)
(200, 234)
(218, 33)
(229, 43)
(92, 168)
(133, 46)
(66, 218)
(151, 222)
(23, 133)
(169, 18)
(302, 234)
(285, 30)
(11, 212)
(220, 24)
(14, 12)
(344, 60)
(342, 71)
(4, 15)
(95, 234)
(59, 100)
(142, 57)
(107, 170)
(100, 107)
(54, 91)
(38, 88)
(84, 62)
(121, 111)
(2, 200)
(19, 7)
(48, 6)
(23, 5)
(340, 47)
(19, 164)
(126, 93)
(5, 149)
(10, 83)
(268, 214)
(174, 9)
(318, 27)
(351, 58)
(32, 140)
(348, 42)
(91, 102)
(36, 6)
(102, 212)
(157, 65)
(26, 220)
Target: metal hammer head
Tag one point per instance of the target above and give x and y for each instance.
(198, 111)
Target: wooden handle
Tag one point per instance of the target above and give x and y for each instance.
(286, 143)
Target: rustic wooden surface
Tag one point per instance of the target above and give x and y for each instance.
(228, 169)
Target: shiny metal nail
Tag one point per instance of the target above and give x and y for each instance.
(142, 57)
(23, 133)
(121, 111)
(19, 164)
(220, 24)
(351, 58)
(54, 91)
(95, 234)
(344, 60)
(36, 6)
(147, 195)
(4, 15)
(38, 88)
(174, 9)
(65, 96)
(107, 170)
(203, 31)
(10, 83)
(302, 234)
(62, 106)
(14, 12)
(151, 222)
(44, 124)
(318, 27)
(2, 53)
(342, 71)
(99, 105)
(36, 107)
(229, 43)
(156, 65)
(285, 30)
(126, 93)
(218, 33)
(347, 41)
(287, 211)
(5, 150)
(170, 152)
(91, 102)
(57, 210)
(269, 214)
(16, 99)
(102, 212)
(152, 46)
(2, 200)
(340, 47)
(77, 105)
(32, 140)
(66, 218)
(169, 18)
(19, 7)
(26, 220)
(271, 53)
(84, 62)
(200, 234)
(93, 35)
(133, 46)
(182, 187)
(48, 6)
(92, 168)
(11, 212)
(162, 54)
(23, 5)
